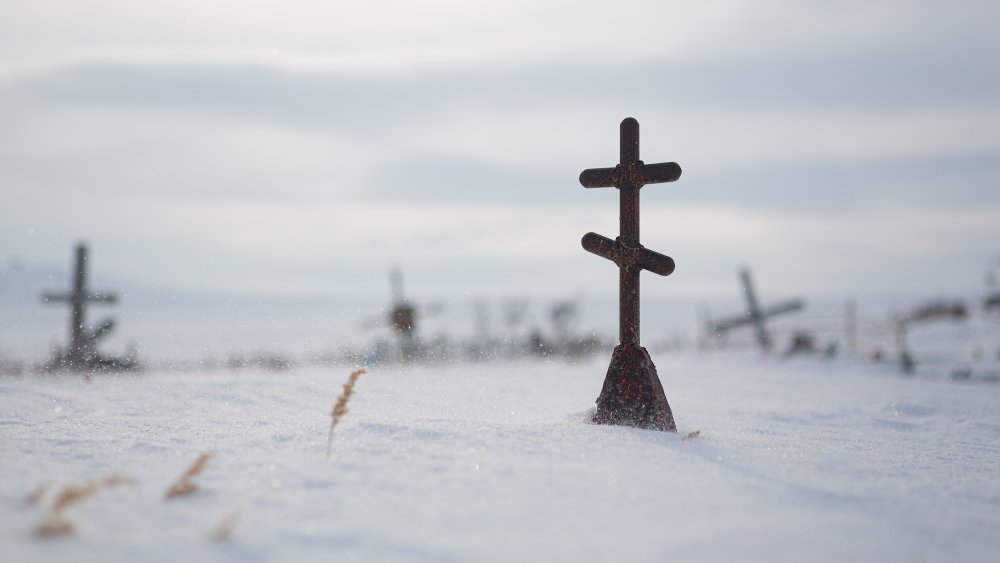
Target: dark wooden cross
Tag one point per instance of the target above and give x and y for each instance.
(82, 342)
(755, 315)
(632, 393)
(629, 176)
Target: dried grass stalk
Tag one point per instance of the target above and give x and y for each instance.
(225, 528)
(74, 494)
(185, 485)
(36, 495)
(340, 407)
(56, 524)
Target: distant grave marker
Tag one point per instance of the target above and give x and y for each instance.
(403, 318)
(632, 393)
(403, 315)
(81, 353)
(931, 311)
(754, 314)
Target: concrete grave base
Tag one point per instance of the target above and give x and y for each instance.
(632, 394)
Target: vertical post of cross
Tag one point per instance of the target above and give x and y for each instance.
(753, 310)
(628, 227)
(77, 300)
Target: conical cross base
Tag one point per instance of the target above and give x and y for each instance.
(632, 393)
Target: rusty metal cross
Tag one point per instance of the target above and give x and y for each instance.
(629, 176)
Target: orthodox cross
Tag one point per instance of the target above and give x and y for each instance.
(754, 314)
(632, 393)
(82, 342)
(629, 176)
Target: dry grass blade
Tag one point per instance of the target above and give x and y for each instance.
(115, 480)
(340, 407)
(185, 485)
(56, 524)
(692, 435)
(35, 496)
(73, 494)
(225, 528)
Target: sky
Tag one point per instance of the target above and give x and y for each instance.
(305, 147)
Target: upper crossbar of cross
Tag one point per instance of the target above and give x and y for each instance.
(629, 176)
(80, 294)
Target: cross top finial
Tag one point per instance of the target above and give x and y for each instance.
(629, 145)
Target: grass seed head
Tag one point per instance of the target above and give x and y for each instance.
(185, 485)
(225, 528)
(36, 495)
(74, 494)
(340, 407)
(54, 526)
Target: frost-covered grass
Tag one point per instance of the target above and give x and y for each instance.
(796, 461)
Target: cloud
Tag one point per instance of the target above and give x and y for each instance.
(932, 76)
(807, 138)
(497, 135)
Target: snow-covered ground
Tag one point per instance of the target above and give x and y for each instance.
(796, 460)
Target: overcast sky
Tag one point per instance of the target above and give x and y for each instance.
(306, 146)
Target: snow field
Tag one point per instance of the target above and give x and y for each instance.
(796, 461)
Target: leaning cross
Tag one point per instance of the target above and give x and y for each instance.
(632, 392)
(755, 315)
(82, 341)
